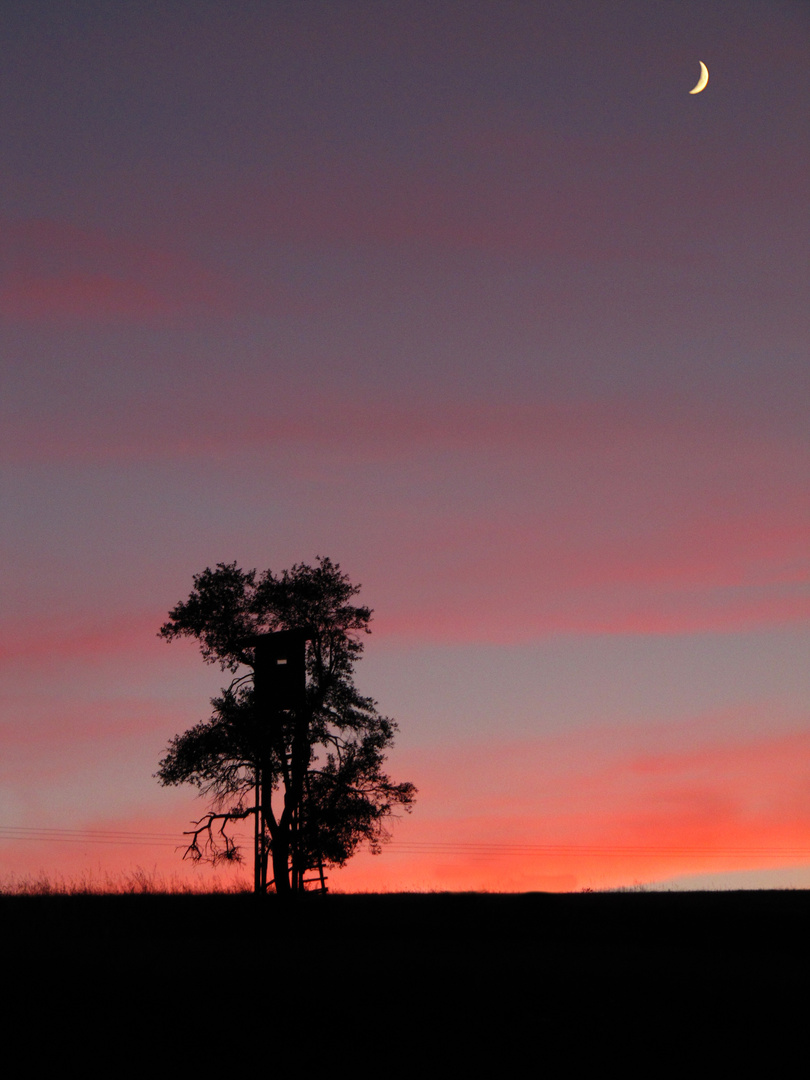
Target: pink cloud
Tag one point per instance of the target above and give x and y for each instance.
(78, 637)
(54, 272)
(578, 518)
(83, 297)
(677, 570)
(367, 430)
(505, 186)
(365, 207)
(613, 433)
(505, 628)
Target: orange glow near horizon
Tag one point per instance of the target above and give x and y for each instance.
(646, 818)
(409, 866)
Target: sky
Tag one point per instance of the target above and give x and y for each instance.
(475, 299)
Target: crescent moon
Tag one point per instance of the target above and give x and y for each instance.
(703, 80)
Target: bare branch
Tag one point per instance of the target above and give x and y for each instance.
(215, 852)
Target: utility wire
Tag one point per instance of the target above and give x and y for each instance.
(91, 836)
(415, 847)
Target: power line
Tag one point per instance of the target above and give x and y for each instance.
(417, 847)
(90, 836)
(499, 849)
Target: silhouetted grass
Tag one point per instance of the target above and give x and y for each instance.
(138, 881)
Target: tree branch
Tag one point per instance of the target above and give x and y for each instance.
(211, 850)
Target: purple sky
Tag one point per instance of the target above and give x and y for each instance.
(475, 299)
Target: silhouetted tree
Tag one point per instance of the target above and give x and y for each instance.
(312, 776)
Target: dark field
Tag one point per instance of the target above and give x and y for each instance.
(397, 979)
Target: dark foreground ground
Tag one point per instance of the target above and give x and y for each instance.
(390, 984)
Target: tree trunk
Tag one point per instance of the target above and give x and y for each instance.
(281, 862)
(279, 836)
(288, 871)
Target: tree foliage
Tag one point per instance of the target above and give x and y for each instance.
(318, 770)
